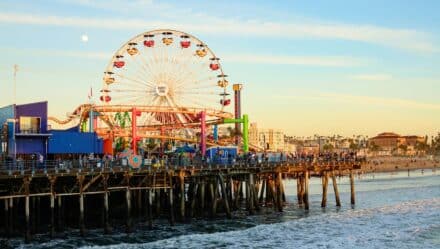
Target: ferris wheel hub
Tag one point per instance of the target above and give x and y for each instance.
(162, 90)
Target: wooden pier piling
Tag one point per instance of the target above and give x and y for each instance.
(300, 183)
(352, 193)
(6, 201)
(306, 190)
(262, 191)
(11, 216)
(60, 215)
(171, 206)
(26, 184)
(82, 226)
(335, 189)
(182, 195)
(250, 193)
(150, 207)
(128, 206)
(52, 206)
(202, 198)
(106, 222)
(324, 180)
(224, 196)
(279, 192)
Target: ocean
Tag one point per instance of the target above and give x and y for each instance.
(393, 210)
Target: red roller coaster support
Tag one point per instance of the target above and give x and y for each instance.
(203, 132)
(162, 141)
(134, 138)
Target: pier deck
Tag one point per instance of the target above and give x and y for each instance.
(55, 197)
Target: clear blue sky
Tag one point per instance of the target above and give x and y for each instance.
(327, 67)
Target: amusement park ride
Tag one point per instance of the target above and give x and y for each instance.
(167, 85)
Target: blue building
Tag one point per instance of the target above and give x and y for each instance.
(221, 154)
(29, 134)
(72, 141)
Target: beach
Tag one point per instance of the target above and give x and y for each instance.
(391, 164)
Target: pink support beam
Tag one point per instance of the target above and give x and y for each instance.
(134, 138)
(203, 132)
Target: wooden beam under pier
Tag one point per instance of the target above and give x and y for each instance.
(191, 190)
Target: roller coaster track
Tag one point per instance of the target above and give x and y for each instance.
(83, 111)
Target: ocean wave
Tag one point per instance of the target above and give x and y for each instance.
(412, 224)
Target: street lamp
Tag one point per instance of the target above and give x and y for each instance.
(15, 111)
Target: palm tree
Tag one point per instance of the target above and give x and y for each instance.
(374, 148)
(122, 120)
(404, 148)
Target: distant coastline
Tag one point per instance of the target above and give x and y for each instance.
(392, 164)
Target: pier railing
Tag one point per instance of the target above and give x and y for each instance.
(31, 167)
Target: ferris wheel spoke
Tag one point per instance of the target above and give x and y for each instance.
(180, 116)
(133, 87)
(137, 75)
(133, 71)
(134, 80)
(146, 119)
(144, 72)
(201, 85)
(126, 98)
(131, 90)
(199, 102)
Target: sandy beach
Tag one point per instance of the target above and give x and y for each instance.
(390, 164)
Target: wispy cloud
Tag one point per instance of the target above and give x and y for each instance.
(370, 100)
(372, 77)
(324, 61)
(120, 6)
(407, 39)
(58, 53)
(319, 61)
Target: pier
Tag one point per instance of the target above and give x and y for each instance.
(51, 198)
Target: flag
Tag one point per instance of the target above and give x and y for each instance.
(90, 93)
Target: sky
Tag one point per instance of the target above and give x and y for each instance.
(307, 67)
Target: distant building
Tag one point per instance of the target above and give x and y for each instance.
(272, 140)
(253, 134)
(386, 140)
(291, 147)
(413, 140)
(389, 143)
(268, 139)
(309, 148)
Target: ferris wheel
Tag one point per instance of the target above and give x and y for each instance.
(165, 69)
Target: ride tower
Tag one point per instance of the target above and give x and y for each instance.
(237, 111)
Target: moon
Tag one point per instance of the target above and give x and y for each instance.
(84, 38)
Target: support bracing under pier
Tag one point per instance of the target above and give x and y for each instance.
(57, 202)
